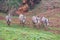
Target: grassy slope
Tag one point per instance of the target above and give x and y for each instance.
(17, 32)
(14, 3)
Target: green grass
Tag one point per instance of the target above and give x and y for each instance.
(17, 32)
(13, 3)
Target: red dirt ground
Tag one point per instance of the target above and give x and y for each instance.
(2, 18)
(54, 19)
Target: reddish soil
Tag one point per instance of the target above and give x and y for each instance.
(2, 18)
(50, 14)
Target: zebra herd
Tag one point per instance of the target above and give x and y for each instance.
(36, 20)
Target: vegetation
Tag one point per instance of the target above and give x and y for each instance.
(15, 3)
(8, 4)
(17, 32)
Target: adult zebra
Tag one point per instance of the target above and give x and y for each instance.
(22, 19)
